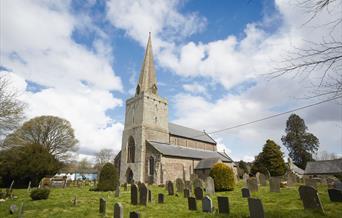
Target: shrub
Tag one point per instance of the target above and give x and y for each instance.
(39, 194)
(223, 177)
(108, 178)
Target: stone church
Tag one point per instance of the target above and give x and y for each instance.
(154, 150)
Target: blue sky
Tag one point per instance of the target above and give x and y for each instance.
(81, 59)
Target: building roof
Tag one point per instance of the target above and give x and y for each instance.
(180, 151)
(186, 132)
(207, 163)
(324, 167)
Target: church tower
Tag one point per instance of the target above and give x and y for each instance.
(146, 118)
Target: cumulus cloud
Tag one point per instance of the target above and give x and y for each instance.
(195, 88)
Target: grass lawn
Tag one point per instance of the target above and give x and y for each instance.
(59, 204)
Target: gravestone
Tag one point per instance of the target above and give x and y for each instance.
(29, 187)
(170, 188)
(74, 201)
(275, 184)
(134, 214)
(192, 203)
(125, 186)
(245, 193)
(21, 210)
(13, 209)
(291, 179)
(186, 193)
(252, 184)
(310, 182)
(257, 177)
(198, 193)
(262, 179)
(149, 195)
(210, 186)
(245, 178)
(223, 204)
(134, 194)
(338, 185)
(117, 191)
(118, 210)
(179, 185)
(197, 182)
(102, 208)
(160, 198)
(143, 194)
(256, 210)
(188, 185)
(207, 205)
(310, 198)
(335, 195)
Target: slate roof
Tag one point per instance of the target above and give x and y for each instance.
(186, 132)
(180, 151)
(324, 167)
(207, 163)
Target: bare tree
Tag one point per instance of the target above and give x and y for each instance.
(84, 166)
(104, 156)
(11, 109)
(323, 58)
(324, 155)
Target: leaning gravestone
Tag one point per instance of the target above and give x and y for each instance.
(245, 193)
(207, 204)
(256, 210)
(252, 184)
(192, 203)
(197, 182)
(310, 198)
(223, 204)
(210, 186)
(179, 185)
(198, 193)
(102, 208)
(134, 194)
(134, 214)
(170, 188)
(186, 193)
(335, 195)
(117, 191)
(143, 194)
(262, 179)
(160, 198)
(275, 184)
(118, 210)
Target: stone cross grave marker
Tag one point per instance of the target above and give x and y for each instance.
(170, 188)
(198, 193)
(117, 191)
(192, 205)
(256, 209)
(223, 204)
(207, 204)
(186, 193)
(335, 195)
(179, 185)
(160, 198)
(210, 186)
(310, 198)
(143, 194)
(275, 184)
(262, 179)
(245, 193)
(134, 194)
(102, 208)
(252, 184)
(118, 210)
(134, 214)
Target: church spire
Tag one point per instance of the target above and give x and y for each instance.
(147, 79)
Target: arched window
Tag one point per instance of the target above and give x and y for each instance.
(138, 90)
(151, 164)
(131, 150)
(154, 89)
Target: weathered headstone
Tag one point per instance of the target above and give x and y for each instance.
(310, 198)
(192, 203)
(262, 179)
(291, 179)
(160, 198)
(143, 194)
(102, 208)
(223, 204)
(207, 204)
(256, 209)
(245, 193)
(118, 210)
(210, 186)
(198, 193)
(134, 194)
(179, 185)
(197, 182)
(275, 184)
(186, 193)
(134, 214)
(252, 184)
(257, 177)
(13, 209)
(245, 178)
(117, 191)
(149, 195)
(170, 188)
(335, 195)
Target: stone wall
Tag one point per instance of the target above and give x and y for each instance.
(185, 142)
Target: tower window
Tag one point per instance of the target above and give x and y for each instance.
(131, 150)
(154, 89)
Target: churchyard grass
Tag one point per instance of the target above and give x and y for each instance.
(283, 204)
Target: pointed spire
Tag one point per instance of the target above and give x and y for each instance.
(147, 79)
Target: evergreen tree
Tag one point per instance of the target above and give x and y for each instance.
(300, 144)
(270, 160)
(108, 179)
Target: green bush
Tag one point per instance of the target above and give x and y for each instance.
(223, 177)
(39, 194)
(108, 178)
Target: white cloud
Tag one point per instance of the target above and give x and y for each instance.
(195, 88)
